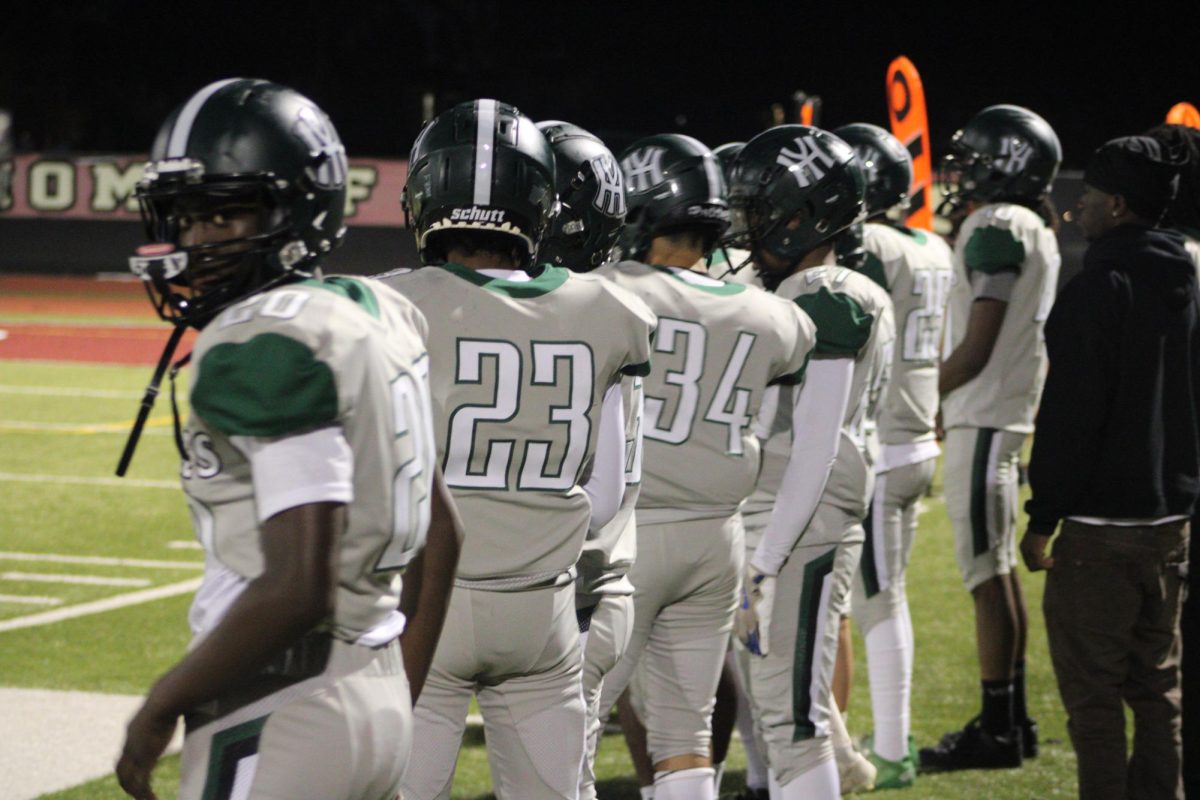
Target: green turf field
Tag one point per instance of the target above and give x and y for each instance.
(63, 426)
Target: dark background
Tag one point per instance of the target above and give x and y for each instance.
(100, 76)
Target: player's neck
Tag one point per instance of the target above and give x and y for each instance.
(819, 256)
(665, 253)
(481, 260)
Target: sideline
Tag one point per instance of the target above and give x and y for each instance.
(54, 740)
(130, 483)
(100, 606)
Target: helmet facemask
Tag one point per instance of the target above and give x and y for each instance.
(189, 283)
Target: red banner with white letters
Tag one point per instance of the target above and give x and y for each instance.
(47, 186)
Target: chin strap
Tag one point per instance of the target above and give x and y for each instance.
(149, 397)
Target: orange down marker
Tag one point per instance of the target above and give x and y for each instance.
(910, 124)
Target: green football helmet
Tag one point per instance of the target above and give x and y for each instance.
(672, 182)
(591, 195)
(726, 153)
(1003, 154)
(481, 166)
(793, 188)
(249, 145)
(887, 165)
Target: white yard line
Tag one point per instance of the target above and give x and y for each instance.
(104, 561)
(129, 483)
(69, 391)
(30, 600)
(100, 606)
(86, 580)
(13, 425)
(184, 544)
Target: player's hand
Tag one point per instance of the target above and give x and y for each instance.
(939, 428)
(146, 738)
(1033, 551)
(752, 620)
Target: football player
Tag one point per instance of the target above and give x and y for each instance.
(795, 189)
(999, 171)
(591, 192)
(527, 363)
(718, 348)
(914, 266)
(308, 466)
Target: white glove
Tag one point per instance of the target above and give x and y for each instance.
(752, 620)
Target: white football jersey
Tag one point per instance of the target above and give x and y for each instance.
(338, 352)
(916, 269)
(995, 239)
(518, 373)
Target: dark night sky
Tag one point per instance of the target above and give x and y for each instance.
(100, 76)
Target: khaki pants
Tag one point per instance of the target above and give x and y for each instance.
(1112, 605)
(790, 688)
(980, 485)
(611, 626)
(518, 653)
(878, 593)
(344, 734)
(685, 591)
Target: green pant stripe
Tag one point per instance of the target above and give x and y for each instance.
(815, 573)
(979, 469)
(228, 748)
(870, 570)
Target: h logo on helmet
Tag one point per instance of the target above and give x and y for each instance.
(802, 162)
(643, 169)
(1015, 153)
(866, 157)
(326, 149)
(610, 189)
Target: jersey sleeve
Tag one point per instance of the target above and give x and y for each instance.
(843, 325)
(801, 343)
(992, 249)
(640, 323)
(269, 385)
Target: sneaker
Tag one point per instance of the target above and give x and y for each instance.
(893, 774)
(856, 773)
(973, 748)
(1029, 738)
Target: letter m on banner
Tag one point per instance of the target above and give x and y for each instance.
(807, 163)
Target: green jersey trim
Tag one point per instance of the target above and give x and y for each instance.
(724, 290)
(550, 279)
(349, 288)
(991, 250)
(843, 326)
(793, 378)
(873, 269)
(228, 748)
(271, 385)
(636, 370)
(917, 234)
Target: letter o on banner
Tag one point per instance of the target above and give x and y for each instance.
(52, 185)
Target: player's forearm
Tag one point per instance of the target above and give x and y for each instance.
(817, 418)
(432, 577)
(294, 593)
(963, 366)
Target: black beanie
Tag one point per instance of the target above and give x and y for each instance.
(1139, 169)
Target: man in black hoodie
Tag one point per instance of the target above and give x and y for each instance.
(1116, 460)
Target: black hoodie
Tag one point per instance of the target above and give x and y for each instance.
(1118, 430)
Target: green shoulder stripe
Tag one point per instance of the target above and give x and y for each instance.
(991, 250)
(351, 289)
(549, 279)
(873, 269)
(793, 378)
(843, 327)
(270, 385)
